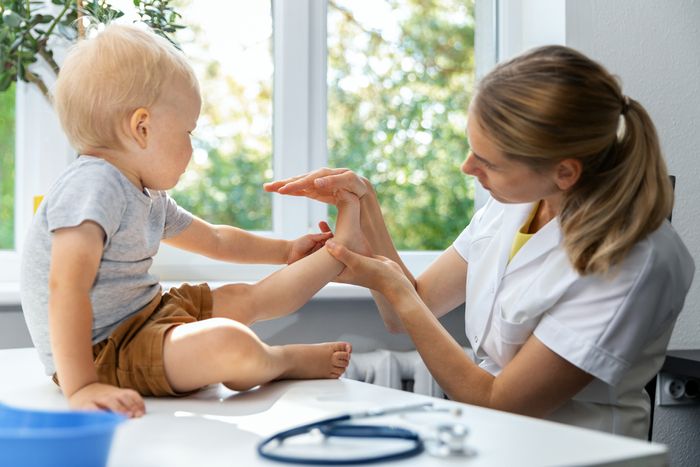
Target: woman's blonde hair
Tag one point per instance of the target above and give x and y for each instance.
(105, 78)
(553, 103)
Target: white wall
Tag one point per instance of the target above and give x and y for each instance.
(654, 47)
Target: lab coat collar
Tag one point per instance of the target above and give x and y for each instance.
(546, 239)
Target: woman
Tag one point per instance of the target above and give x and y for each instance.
(574, 277)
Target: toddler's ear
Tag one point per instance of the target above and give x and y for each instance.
(139, 126)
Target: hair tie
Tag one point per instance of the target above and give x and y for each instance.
(625, 105)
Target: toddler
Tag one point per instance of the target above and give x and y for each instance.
(128, 102)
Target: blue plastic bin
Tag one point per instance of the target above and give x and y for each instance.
(40, 438)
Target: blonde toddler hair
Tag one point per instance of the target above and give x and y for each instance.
(105, 78)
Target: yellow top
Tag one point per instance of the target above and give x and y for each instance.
(37, 201)
(521, 236)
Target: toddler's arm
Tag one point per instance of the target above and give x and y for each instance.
(227, 243)
(75, 258)
(289, 288)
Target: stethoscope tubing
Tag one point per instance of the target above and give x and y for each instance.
(330, 427)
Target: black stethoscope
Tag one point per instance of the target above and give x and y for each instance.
(450, 438)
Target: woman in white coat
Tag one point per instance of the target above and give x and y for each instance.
(574, 277)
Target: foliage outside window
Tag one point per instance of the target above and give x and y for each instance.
(30, 28)
(231, 52)
(400, 75)
(7, 168)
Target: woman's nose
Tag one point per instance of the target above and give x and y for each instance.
(468, 165)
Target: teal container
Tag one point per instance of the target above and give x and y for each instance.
(40, 438)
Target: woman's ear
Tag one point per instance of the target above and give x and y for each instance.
(139, 126)
(568, 172)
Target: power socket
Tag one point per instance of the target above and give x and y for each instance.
(677, 390)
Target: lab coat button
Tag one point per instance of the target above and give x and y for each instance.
(476, 339)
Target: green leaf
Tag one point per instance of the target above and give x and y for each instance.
(39, 19)
(6, 80)
(12, 19)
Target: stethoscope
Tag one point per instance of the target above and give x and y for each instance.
(449, 439)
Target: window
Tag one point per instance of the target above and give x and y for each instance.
(400, 75)
(231, 52)
(289, 87)
(380, 87)
(7, 169)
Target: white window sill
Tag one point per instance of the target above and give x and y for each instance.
(9, 291)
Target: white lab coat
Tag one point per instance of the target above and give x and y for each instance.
(615, 328)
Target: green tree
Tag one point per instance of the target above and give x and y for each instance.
(233, 140)
(397, 113)
(7, 168)
(403, 127)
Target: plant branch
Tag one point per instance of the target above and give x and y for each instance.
(81, 27)
(48, 58)
(36, 80)
(48, 32)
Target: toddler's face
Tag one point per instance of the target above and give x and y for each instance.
(174, 118)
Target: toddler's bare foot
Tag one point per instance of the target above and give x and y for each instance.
(348, 230)
(316, 361)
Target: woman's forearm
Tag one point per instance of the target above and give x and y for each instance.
(376, 232)
(460, 378)
(386, 311)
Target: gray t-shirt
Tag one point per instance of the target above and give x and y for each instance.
(134, 223)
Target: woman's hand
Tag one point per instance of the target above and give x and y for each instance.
(346, 276)
(304, 246)
(375, 272)
(321, 185)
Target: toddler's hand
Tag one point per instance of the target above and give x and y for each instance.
(106, 397)
(304, 246)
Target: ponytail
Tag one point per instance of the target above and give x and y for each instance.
(610, 209)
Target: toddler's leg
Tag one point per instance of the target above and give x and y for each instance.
(284, 291)
(220, 350)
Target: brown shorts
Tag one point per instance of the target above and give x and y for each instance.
(132, 357)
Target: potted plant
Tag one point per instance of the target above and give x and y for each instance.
(31, 29)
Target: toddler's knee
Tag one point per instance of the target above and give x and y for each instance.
(233, 341)
(227, 332)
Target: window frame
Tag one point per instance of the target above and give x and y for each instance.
(299, 142)
(45, 152)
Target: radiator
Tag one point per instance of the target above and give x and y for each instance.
(393, 369)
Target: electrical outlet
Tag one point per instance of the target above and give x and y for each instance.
(677, 390)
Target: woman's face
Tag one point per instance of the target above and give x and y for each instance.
(507, 180)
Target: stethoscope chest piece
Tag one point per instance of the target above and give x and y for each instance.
(449, 439)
